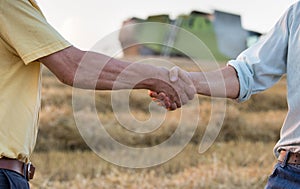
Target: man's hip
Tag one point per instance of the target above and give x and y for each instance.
(12, 180)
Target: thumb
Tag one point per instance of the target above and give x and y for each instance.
(173, 74)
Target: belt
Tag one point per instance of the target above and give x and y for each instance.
(293, 158)
(27, 170)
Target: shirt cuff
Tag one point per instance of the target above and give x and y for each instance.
(245, 76)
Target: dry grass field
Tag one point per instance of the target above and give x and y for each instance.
(241, 157)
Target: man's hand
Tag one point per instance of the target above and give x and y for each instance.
(91, 70)
(184, 86)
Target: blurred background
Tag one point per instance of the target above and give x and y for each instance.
(83, 24)
(241, 157)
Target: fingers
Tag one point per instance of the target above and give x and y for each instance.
(153, 94)
(168, 104)
(173, 107)
(185, 76)
(165, 100)
(178, 93)
(189, 85)
(161, 99)
(176, 74)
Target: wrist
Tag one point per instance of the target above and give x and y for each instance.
(200, 82)
(160, 79)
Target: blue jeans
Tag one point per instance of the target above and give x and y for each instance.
(284, 176)
(12, 180)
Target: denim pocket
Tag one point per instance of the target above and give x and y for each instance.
(15, 180)
(4, 182)
(275, 170)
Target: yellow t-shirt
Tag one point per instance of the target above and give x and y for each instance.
(25, 36)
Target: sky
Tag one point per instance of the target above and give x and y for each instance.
(83, 23)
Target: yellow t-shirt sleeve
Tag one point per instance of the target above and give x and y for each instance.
(26, 31)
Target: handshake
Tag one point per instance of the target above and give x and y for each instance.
(175, 90)
(182, 86)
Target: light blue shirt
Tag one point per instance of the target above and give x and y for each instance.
(263, 64)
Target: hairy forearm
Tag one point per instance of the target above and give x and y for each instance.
(220, 83)
(104, 73)
(90, 70)
(132, 76)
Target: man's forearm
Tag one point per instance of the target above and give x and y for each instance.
(219, 83)
(106, 73)
(91, 70)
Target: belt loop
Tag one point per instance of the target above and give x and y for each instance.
(286, 159)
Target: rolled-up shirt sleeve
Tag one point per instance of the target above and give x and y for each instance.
(262, 65)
